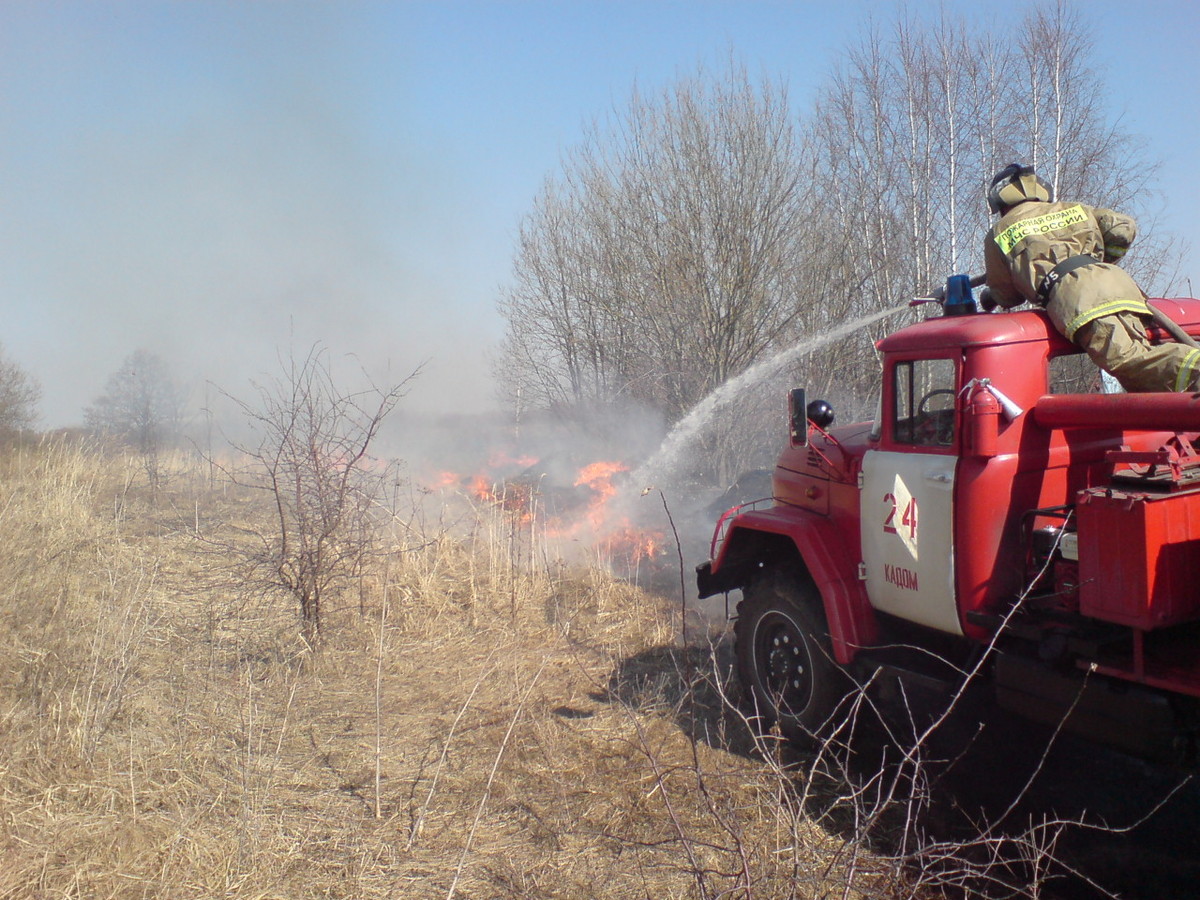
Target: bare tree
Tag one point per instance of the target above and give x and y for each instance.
(1082, 153)
(896, 125)
(917, 120)
(678, 247)
(19, 396)
(311, 459)
(668, 254)
(142, 405)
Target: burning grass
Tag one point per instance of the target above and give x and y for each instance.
(480, 721)
(584, 513)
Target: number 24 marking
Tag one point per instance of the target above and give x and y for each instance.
(908, 518)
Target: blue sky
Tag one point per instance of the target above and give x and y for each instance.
(215, 181)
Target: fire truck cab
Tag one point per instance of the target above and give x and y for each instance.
(1000, 514)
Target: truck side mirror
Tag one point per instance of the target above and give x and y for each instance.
(797, 418)
(800, 414)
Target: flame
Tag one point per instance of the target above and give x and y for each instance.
(490, 484)
(620, 541)
(445, 480)
(481, 489)
(598, 477)
(631, 546)
(593, 518)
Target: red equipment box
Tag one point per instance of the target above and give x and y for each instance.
(1137, 556)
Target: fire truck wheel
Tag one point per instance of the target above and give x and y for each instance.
(784, 658)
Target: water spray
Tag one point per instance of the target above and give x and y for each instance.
(680, 438)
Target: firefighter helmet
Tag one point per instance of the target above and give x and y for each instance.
(1015, 184)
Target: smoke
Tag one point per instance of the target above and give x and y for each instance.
(220, 210)
(671, 456)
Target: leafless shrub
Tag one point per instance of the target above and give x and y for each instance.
(839, 825)
(310, 458)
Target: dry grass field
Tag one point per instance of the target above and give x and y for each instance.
(467, 728)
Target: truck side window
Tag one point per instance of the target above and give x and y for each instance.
(924, 395)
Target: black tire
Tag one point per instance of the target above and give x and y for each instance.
(785, 660)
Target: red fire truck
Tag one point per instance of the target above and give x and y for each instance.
(995, 517)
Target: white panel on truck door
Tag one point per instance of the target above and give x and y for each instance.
(908, 536)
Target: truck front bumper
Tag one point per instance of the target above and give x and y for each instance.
(709, 583)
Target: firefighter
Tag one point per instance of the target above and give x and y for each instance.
(1062, 256)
